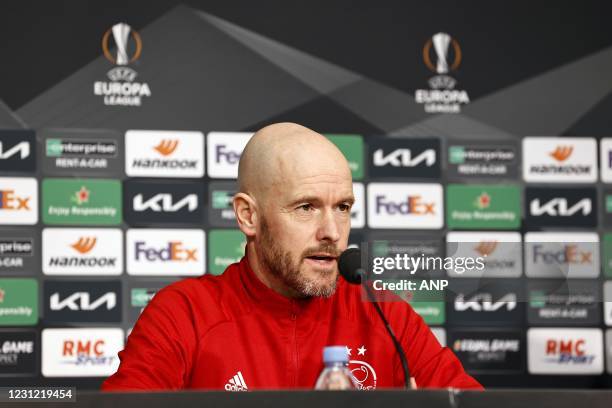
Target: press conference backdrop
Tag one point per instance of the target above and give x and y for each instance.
(122, 127)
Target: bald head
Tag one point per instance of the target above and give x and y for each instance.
(294, 206)
(284, 153)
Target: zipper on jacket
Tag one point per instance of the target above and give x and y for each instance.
(293, 317)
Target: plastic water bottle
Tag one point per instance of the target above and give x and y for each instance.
(335, 375)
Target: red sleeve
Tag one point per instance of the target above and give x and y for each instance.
(159, 350)
(432, 365)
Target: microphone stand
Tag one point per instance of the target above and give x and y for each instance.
(408, 382)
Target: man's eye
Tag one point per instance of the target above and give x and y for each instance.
(305, 207)
(344, 207)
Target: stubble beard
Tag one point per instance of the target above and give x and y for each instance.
(281, 266)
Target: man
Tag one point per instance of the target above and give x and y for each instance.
(265, 321)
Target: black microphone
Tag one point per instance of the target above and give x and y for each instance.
(351, 270)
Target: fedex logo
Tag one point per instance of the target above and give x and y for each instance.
(18, 200)
(405, 205)
(570, 254)
(165, 252)
(10, 201)
(173, 251)
(412, 205)
(606, 159)
(562, 255)
(223, 153)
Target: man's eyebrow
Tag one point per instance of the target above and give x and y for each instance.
(348, 199)
(304, 198)
(315, 199)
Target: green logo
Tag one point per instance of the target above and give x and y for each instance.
(54, 147)
(81, 201)
(18, 302)
(222, 200)
(456, 154)
(352, 148)
(537, 299)
(429, 304)
(483, 207)
(225, 248)
(607, 252)
(609, 203)
(141, 297)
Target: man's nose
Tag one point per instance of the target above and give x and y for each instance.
(328, 227)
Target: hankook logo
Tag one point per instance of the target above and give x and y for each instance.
(486, 248)
(76, 251)
(562, 153)
(166, 147)
(559, 159)
(161, 153)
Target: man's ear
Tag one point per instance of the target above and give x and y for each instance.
(246, 213)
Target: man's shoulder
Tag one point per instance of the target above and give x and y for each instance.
(205, 297)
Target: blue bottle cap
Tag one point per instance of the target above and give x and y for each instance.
(335, 354)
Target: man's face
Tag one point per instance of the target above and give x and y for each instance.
(304, 228)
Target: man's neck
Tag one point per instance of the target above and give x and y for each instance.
(266, 277)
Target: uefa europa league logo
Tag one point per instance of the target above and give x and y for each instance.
(441, 43)
(121, 35)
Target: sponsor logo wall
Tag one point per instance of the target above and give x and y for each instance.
(124, 214)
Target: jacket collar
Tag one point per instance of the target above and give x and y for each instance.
(264, 297)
